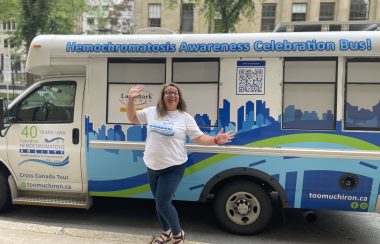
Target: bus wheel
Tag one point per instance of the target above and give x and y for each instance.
(5, 196)
(243, 207)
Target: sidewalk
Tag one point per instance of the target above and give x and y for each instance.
(26, 233)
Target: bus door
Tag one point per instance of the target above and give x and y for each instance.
(43, 142)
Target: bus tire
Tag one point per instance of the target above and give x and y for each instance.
(5, 196)
(243, 207)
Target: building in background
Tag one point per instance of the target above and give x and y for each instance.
(184, 18)
(108, 17)
(271, 15)
(17, 55)
(325, 15)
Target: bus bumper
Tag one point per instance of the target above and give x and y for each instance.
(377, 209)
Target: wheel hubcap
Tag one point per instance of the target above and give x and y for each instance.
(243, 208)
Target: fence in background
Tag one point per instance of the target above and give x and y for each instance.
(17, 86)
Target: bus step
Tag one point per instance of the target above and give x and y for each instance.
(53, 202)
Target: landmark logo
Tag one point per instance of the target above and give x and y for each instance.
(141, 101)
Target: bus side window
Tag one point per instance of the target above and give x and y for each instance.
(199, 76)
(314, 79)
(50, 103)
(362, 81)
(123, 73)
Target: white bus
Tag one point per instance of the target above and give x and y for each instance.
(305, 108)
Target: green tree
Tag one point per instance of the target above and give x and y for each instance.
(33, 20)
(8, 9)
(224, 14)
(99, 22)
(116, 19)
(46, 17)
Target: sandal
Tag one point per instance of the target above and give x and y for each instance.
(179, 239)
(162, 238)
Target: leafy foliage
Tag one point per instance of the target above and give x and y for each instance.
(47, 17)
(115, 17)
(35, 17)
(8, 9)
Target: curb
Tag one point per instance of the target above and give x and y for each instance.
(61, 232)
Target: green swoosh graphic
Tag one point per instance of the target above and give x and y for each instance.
(271, 142)
(123, 193)
(316, 137)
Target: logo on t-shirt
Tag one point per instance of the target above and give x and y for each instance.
(163, 127)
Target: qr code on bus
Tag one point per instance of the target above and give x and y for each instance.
(250, 80)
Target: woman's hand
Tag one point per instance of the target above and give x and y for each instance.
(223, 138)
(135, 91)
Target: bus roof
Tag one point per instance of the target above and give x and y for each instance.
(69, 54)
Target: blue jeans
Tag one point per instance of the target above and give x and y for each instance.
(164, 184)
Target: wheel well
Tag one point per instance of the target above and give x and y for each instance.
(255, 180)
(4, 169)
(260, 178)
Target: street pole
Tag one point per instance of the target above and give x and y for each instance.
(180, 16)
(7, 68)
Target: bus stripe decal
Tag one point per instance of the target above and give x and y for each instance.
(368, 165)
(257, 163)
(196, 187)
(290, 186)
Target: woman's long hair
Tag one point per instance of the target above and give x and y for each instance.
(161, 108)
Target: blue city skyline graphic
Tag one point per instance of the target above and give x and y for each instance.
(247, 119)
(363, 117)
(296, 118)
(251, 120)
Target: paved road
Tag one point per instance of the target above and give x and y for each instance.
(136, 217)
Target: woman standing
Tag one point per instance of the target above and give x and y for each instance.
(165, 154)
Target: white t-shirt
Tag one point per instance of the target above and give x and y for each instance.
(166, 137)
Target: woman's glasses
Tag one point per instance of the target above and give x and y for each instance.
(171, 93)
